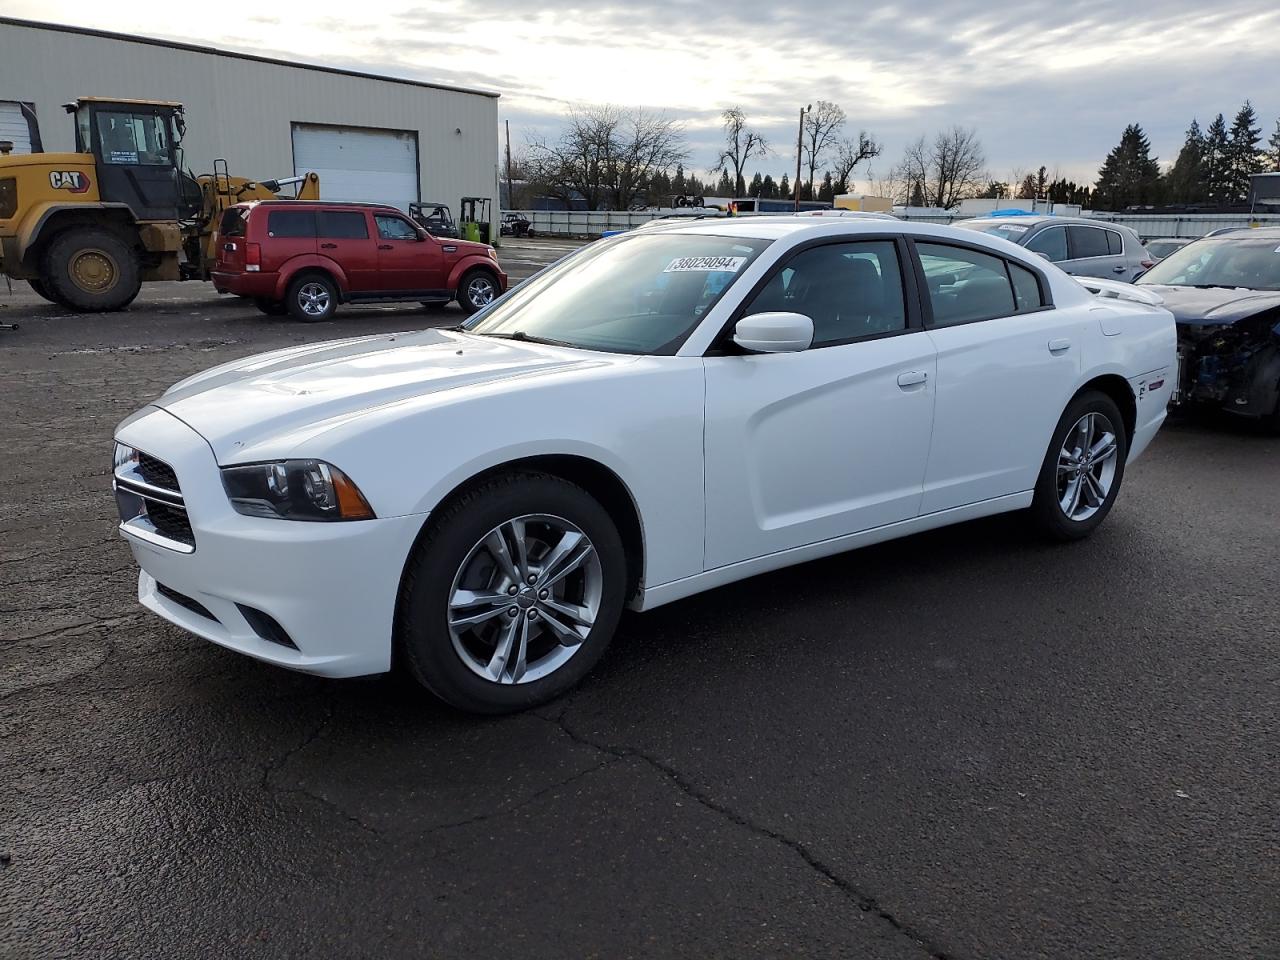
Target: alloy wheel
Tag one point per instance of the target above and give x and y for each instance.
(481, 291)
(1087, 466)
(313, 298)
(525, 598)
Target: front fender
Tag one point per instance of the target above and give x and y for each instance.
(467, 263)
(311, 261)
(42, 213)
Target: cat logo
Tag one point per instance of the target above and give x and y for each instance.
(73, 181)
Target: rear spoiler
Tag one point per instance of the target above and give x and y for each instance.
(1117, 290)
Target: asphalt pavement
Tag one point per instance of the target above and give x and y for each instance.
(965, 744)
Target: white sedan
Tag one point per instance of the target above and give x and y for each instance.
(658, 414)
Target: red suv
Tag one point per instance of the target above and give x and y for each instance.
(304, 258)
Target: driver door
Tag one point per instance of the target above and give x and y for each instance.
(407, 261)
(804, 447)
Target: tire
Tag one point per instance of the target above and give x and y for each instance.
(1098, 479)
(473, 292)
(272, 308)
(312, 298)
(41, 290)
(91, 270)
(457, 664)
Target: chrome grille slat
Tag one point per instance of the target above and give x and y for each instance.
(151, 504)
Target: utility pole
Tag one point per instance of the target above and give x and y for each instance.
(511, 201)
(799, 148)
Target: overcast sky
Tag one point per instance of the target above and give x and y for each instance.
(1043, 81)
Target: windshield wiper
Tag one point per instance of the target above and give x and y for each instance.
(525, 338)
(1217, 286)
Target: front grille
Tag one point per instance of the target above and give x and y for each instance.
(157, 473)
(182, 600)
(151, 504)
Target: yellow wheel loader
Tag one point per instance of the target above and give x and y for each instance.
(85, 229)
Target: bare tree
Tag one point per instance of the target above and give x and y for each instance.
(850, 153)
(741, 145)
(607, 155)
(821, 127)
(890, 185)
(946, 169)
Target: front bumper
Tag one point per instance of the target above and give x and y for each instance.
(330, 587)
(1233, 366)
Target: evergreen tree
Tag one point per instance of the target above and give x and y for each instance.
(1273, 152)
(757, 185)
(1215, 160)
(784, 188)
(768, 189)
(916, 198)
(1042, 182)
(1027, 189)
(827, 191)
(1129, 175)
(1185, 182)
(1242, 159)
(678, 183)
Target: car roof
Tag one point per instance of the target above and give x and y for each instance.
(1246, 233)
(780, 226)
(293, 204)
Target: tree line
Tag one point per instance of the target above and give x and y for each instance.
(610, 157)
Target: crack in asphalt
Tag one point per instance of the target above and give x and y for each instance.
(864, 901)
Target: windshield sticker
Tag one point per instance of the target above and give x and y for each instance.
(1013, 228)
(705, 264)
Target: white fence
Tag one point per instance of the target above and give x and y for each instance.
(581, 223)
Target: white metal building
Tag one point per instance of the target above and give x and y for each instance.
(369, 137)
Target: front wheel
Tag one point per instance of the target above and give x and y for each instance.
(477, 289)
(91, 269)
(1083, 468)
(513, 595)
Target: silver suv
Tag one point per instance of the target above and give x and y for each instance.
(1085, 248)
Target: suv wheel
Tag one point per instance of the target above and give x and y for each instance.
(477, 289)
(512, 595)
(312, 298)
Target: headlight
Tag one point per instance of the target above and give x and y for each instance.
(294, 490)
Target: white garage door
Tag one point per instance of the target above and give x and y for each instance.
(357, 164)
(13, 127)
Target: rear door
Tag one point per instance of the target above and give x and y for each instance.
(1095, 252)
(231, 239)
(344, 236)
(407, 261)
(282, 234)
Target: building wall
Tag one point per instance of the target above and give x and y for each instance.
(243, 110)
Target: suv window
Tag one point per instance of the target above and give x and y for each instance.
(965, 285)
(1115, 243)
(395, 228)
(849, 290)
(291, 223)
(1052, 242)
(1087, 242)
(233, 222)
(343, 225)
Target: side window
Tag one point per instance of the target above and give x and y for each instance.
(395, 228)
(343, 225)
(848, 290)
(291, 223)
(965, 285)
(1115, 243)
(1026, 288)
(1087, 242)
(1051, 242)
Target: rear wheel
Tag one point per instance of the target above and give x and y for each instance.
(513, 595)
(477, 289)
(272, 308)
(92, 269)
(1083, 468)
(312, 298)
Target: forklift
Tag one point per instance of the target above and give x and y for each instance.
(473, 219)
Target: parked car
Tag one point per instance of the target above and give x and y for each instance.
(1161, 247)
(661, 413)
(1224, 292)
(1080, 247)
(304, 258)
(514, 225)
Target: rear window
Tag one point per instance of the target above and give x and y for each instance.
(233, 222)
(1115, 243)
(344, 225)
(291, 223)
(1088, 242)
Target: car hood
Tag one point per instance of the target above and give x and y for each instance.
(304, 390)
(1198, 306)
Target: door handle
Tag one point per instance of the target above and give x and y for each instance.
(385, 246)
(328, 246)
(1061, 345)
(1119, 269)
(912, 379)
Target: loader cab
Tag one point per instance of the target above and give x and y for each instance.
(136, 147)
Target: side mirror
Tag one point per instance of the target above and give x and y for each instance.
(774, 333)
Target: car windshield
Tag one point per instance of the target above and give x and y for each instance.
(642, 293)
(1221, 262)
(1005, 229)
(1162, 248)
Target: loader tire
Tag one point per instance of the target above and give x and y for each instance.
(91, 270)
